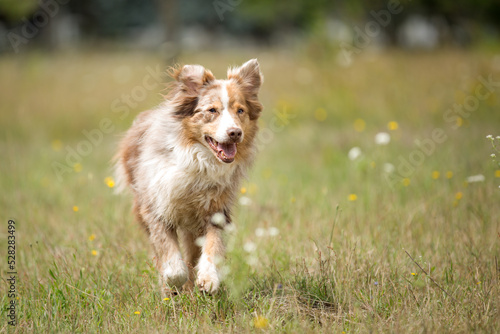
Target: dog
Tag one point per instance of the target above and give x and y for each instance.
(184, 162)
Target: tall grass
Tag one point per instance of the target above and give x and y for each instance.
(322, 243)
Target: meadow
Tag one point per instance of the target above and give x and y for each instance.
(394, 236)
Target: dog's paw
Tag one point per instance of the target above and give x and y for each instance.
(208, 283)
(175, 272)
(208, 278)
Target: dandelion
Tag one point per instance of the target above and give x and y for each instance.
(245, 201)
(243, 190)
(393, 125)
(359, 125)
(475, 178)
(94, 252)
(435, 175)
(260, 232)
(77, 167)
(56, 145)
(406, 182)
(293, 200)
(320, 114)
(218, 219)
(459, 195)
(273, 231)
(382, 138)
(352, 197)
(354, 153)
(109, 182)
(75, 208)
(449, 174)
(200, 241)
(497, 173)
(92, 237)
(414, 274)
(252, 261)
(249, 247)
(260, 322)
(166, 299)
(478, 283)
(389, 168)
(137, 312)
(224, 271)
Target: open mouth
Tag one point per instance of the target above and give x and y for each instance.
(224, 151)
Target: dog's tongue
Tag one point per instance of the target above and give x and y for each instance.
(228, 149)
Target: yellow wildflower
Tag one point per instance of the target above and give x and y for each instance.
(260, 322)
(94, 252)
(352, 197)
(77, 167)
(56, 145)
(435, 175)
(109, 182)
(359, 125)
(449, 174)
(92, 237)
(458, 195)
(75, 208)
(393, 125)
(406, 182)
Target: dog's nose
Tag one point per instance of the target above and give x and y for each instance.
(234, 134)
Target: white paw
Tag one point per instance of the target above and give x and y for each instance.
(175, 272)
(208, 278)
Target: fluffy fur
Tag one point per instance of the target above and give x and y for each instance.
(184, 162)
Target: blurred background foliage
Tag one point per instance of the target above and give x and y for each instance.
(148, 22)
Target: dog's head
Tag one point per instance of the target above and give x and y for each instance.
(219, 114)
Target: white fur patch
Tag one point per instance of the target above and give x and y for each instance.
(208, 278)
(226, 120)
(175, 271)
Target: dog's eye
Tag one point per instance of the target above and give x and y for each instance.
(241, 111)
(212, 110)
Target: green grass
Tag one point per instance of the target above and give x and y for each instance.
(336, 266)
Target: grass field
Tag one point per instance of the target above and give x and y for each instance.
(322, 243)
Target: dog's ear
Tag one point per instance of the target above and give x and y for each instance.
(192, 78)
(189, 79)
(249, 77)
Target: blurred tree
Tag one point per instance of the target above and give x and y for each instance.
(14, 10)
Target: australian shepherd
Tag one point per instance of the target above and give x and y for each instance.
(184, 162)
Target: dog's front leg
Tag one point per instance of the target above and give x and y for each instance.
(212, 253)
(173, 270)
